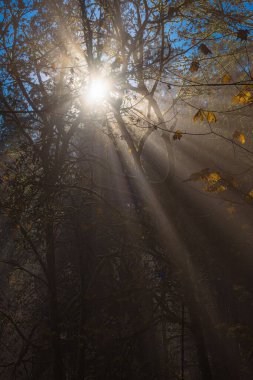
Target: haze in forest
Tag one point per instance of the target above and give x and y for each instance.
(126, 146)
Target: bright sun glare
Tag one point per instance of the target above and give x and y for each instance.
(98, 90)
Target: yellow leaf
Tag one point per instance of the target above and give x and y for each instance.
(177, 135)
(226, 79)
(236, 99)
(244, 97)
(240, 137)
(213, 177)
(211, 118)
(199, 116)
(250, 193)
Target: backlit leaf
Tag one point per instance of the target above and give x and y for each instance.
(177, 135)
(210, 116)
(199, 116)
(226, 79)
(240, 137)
(213, 177)
(244, 97)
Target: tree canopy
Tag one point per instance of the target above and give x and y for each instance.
(126, 189)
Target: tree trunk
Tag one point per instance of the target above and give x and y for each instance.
(80, 363)
(58, 370)
(197, 330)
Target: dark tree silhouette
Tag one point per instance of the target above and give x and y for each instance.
(126, 189)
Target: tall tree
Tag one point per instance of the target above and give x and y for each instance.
(106, 107)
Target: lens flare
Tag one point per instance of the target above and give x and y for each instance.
(98, 90)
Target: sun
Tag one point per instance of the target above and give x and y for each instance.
(98, 90)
